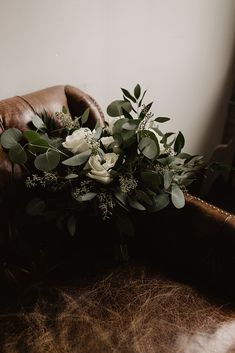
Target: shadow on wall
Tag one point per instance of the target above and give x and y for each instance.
(216, 121)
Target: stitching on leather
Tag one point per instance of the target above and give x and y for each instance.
(228, 218)
(211, 206)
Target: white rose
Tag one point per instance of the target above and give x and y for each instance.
(106, 141)
(79, 140)
(98, 171)
(111, 121)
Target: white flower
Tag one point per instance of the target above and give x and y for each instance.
(111, 121)
(106, 141)
(99, 170)
(79, 140)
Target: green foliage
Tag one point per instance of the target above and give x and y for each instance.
(129, 165)
(11, 137)
(78, 159)
(47, 161)
(116, 108)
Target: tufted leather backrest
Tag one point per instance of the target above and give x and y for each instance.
(18, 111)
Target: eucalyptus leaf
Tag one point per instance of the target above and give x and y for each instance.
(98, 132)
(17, 154)
(115, 108)
(177, 196)
(131, 125)
(38, 144)
(117, 127)
(85, 116)
(143, 197)
(129, 137)
(137, 91)
(151, 179)
(165, 137)
(126, 114)
(121, 196)
(128, 95)
(11, 137)
(71, 225)
(78, 159)
(179, 143)
(148, 147)
(145, 110)
(142, 98)
(167, 177)
(135, 204)
(71, 176)
(161, 119)
(47, 161)
(161, 201)
(87, 197)
(38, 123)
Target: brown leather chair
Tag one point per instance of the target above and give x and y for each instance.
(194, 245)
(197, 245)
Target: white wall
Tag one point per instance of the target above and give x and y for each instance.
(180, 50)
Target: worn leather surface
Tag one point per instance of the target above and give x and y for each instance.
(194, 245)
(18, 111)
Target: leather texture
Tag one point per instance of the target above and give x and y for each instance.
(199, 238)
(18, 111)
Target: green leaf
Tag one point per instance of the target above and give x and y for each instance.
(115, 108)
(128, 95)
(179, 143)
(135, 204)
(151, 179)
(85, 116)
(126, 114)
(145, 110)
(78, 159)
(36, 207)
(47, 161)
(11, 137)
(131, 125)
(157, 131)
(98, 132)
(87, 197)
(37, 143)
(161, 201)
(149, 147)
(137, 91)
(177, 196)
(161, 119)
(71, 176)
(117, 127)
(38, 123)
(71, 225)
(17, 154)
(143, 197)
(167, 177)
(165, 137)
(140, 102)
(121, 196)
(64, 110)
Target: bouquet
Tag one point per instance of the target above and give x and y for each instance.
(128, 163)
